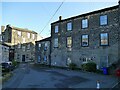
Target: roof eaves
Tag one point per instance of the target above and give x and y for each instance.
(45, 39)
(89, 13)
(22, 29)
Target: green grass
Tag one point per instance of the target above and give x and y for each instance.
(6, 77)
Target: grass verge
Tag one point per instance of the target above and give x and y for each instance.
(6, 77)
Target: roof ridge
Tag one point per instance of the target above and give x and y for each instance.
(88, 13)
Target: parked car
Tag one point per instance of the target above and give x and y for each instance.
(7, 66)
(118, 72)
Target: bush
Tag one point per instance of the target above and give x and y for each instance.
(90, 66)
(14, 63)
(99, 71)
(72, 66)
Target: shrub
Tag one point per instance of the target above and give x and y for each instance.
(90, 66)
(14, 62)
(72, 66)
(99, 71)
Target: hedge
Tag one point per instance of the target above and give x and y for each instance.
(89, 66)
(72, 66)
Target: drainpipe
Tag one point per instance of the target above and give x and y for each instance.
(50, 53)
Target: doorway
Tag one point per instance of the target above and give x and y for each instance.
(23, 58)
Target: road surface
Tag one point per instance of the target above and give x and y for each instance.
(29, 76)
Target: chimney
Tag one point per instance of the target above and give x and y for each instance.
(8, 26)
(60, 18)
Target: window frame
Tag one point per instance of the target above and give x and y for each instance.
(28, 35)
(39, 58)
(101, 21)
(56, 26)
(107, 39)
(24, 48)
(45, 58)
(84, 24)
(19, 33)
(39, 46)
(33, 36)
(67, 42)
(19, 46)
(45, 46)
(56, 46)
(28, 46)
(23, 40)
(69, 23)
(82, 40)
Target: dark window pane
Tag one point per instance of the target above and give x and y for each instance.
(84, 40)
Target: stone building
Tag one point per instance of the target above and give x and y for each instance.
(22, 42)
(4, 52)
(42, 51)
(92, 36)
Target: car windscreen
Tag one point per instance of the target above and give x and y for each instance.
(4, 64)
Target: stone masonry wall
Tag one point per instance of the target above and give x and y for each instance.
(42, 52)
(94, 51)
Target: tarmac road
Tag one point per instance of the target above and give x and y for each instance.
(29, 76)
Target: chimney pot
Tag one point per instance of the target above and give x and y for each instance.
(60, 18)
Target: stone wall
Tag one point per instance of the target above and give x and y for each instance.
(20, 41)
(62, 55)
(4, 53)
(43, 52)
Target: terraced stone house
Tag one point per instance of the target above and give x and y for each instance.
(92, 36)
(42, 51)
(22, 42)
